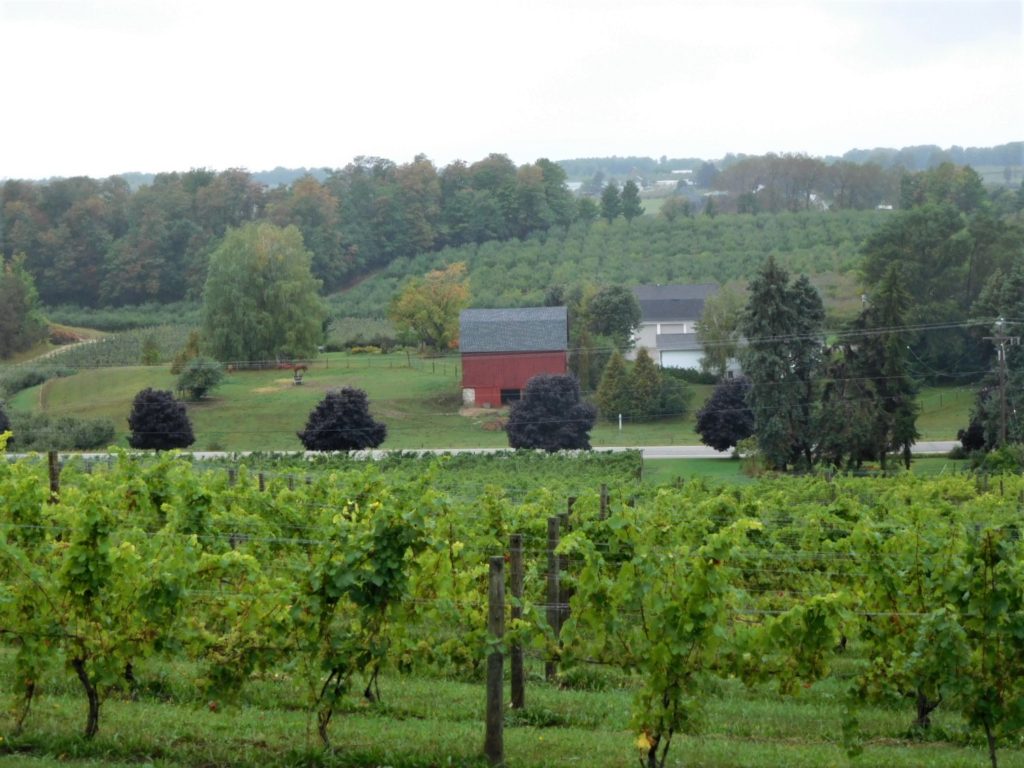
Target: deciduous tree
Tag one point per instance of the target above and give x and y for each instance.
(429, 306)
(613, 312)
(261, 302)
(719, 331)
(21, 321)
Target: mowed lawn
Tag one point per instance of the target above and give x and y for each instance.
(419, 400)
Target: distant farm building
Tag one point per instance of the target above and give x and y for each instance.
(668, 322)
(502, 349)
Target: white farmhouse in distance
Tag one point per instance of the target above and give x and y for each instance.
(668, 322)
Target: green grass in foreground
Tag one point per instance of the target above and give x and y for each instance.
(423, 722)
(419, 400)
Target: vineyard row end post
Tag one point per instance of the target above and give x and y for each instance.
(494, 737)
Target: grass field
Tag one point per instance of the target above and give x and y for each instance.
(419, 400)
(428, 722)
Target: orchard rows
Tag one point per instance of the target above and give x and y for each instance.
(906, 589)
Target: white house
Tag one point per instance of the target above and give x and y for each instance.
(668, 322)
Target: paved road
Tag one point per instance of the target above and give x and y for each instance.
(652, 452)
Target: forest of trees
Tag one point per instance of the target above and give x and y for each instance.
(105, 243)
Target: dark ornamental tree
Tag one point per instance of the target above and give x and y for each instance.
(159, 421)
(551, 416)
(342, 422)
(726, 418)
(5, 423)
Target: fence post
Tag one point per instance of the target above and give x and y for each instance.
(494, 739)
(291, 482)
(263, 482)
(516, 649)
(53, 460)
(553, 613)
(604, 501)
(231, 477)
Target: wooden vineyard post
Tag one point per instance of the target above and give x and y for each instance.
(494, 739)
(516, 650)
(263, 482)
(553, 613)
(564, 593)
(53, 460)
(604, 501)
(232, 476)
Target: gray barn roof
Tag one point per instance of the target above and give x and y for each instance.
(528, 329)
(661, 303)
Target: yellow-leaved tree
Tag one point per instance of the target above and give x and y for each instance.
(429, 307)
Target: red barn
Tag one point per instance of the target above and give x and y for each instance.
(502, 349)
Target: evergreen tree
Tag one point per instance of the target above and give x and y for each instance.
(613, 393)
(782, 324)
(884, 363)
(645, 387)
(551, 416)
(159, 421)
(5, 422)
(342, 422)
(806, 346)
(631, 206)
(611, 202)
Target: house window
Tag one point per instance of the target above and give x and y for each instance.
(511, 395)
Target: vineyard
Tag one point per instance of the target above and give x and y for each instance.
(357, 596)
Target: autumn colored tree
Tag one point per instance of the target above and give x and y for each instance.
(429, 306)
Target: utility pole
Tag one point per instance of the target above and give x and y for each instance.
(1001, 342)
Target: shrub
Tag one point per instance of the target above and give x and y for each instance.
(159, 421)
(551, 416)
(14, 380)
(342, 422)
(201, 374)
(42, 432)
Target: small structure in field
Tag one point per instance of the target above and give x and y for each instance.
(502, 349)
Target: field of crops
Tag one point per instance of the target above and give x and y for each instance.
(157, 611)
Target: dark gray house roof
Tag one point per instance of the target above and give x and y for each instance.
(528, 329)
(661, 303)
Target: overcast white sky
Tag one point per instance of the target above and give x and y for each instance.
(99, 87)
